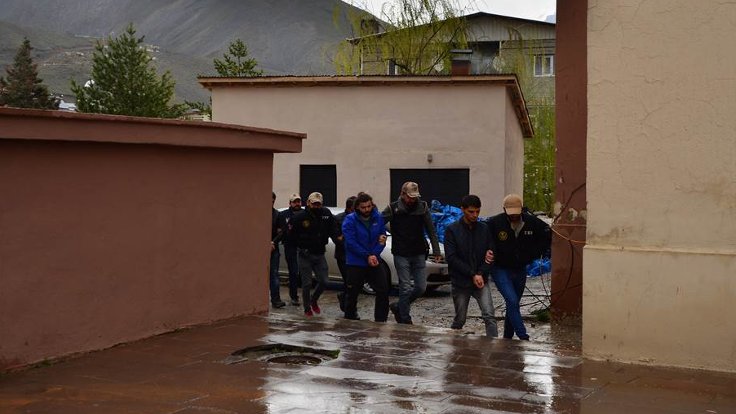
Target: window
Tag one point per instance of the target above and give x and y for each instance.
(544, 65)
(321, 178)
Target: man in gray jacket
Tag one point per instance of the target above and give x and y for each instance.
(408, 218)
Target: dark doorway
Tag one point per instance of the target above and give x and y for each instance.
(448, 186)
(322, 178)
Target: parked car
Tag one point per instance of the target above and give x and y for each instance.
(437, 274)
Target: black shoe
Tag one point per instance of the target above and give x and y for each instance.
(341, 301)
(353, 318)
(278, 304)
(295, 302)
(394, 308)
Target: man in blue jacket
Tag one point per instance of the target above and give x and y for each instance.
(469, 251)
(364, 236)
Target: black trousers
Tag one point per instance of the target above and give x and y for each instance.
(357, 276)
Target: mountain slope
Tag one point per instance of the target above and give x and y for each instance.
(285, 36)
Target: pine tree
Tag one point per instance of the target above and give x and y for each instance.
(22, 88)
(236, 62)
(124, 82)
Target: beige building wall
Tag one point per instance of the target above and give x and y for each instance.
(367, 130)
(660, 263)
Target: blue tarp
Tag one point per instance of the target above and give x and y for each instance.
(539, 267)
(443, 216)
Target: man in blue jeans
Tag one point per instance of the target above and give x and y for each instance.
(469, 253)
(409, 218)
(519, 238)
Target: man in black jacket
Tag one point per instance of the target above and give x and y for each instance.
(340, 249)
(519, 238)
(292, 262)
(469, 252)
(311, 229)
(274, 285)
(409, 218)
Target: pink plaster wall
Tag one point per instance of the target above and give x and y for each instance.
(103, 243)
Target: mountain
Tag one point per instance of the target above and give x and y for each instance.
(284, 36)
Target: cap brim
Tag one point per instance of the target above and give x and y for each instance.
(513, 210)
(413, 195)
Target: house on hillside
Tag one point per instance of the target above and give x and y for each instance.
(490, 37)
(453, 135)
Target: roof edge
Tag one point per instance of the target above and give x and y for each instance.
(47, 125)
(510, 81)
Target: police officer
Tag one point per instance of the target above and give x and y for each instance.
(519, 237)
(310, 229)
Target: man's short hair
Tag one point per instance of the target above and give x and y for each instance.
(362, 198)
(470, 200)
(350, 202)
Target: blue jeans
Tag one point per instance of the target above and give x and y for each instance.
(511, 284)
(292, 263)
(461, 299)
(412, 282)
(274, 276)
(309, 263)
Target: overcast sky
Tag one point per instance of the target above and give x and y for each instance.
(527, 9)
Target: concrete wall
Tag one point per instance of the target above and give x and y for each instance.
(111, 241)
(661, 254)
(367, 130)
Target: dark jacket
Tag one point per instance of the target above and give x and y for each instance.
(517, 252)
(465, 252)
(340, 244)
(311, 230)
(408, 227)
(361, 241)
(282, 222)
(274, 224)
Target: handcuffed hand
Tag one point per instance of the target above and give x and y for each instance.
(489, 257)
(478, 281)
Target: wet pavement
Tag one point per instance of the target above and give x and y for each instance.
(381, 368)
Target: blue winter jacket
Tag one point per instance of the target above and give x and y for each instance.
(359, 241)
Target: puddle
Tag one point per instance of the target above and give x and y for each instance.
(282, 354)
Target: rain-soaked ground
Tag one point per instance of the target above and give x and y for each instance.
(357, 367)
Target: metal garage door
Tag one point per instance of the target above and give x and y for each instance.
(322, 178)
(447, 185)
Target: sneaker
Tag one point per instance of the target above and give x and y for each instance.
(308, 313)
(394, 308)
(295, 302)
(315, 308)
(278, 304)
(341, 301)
